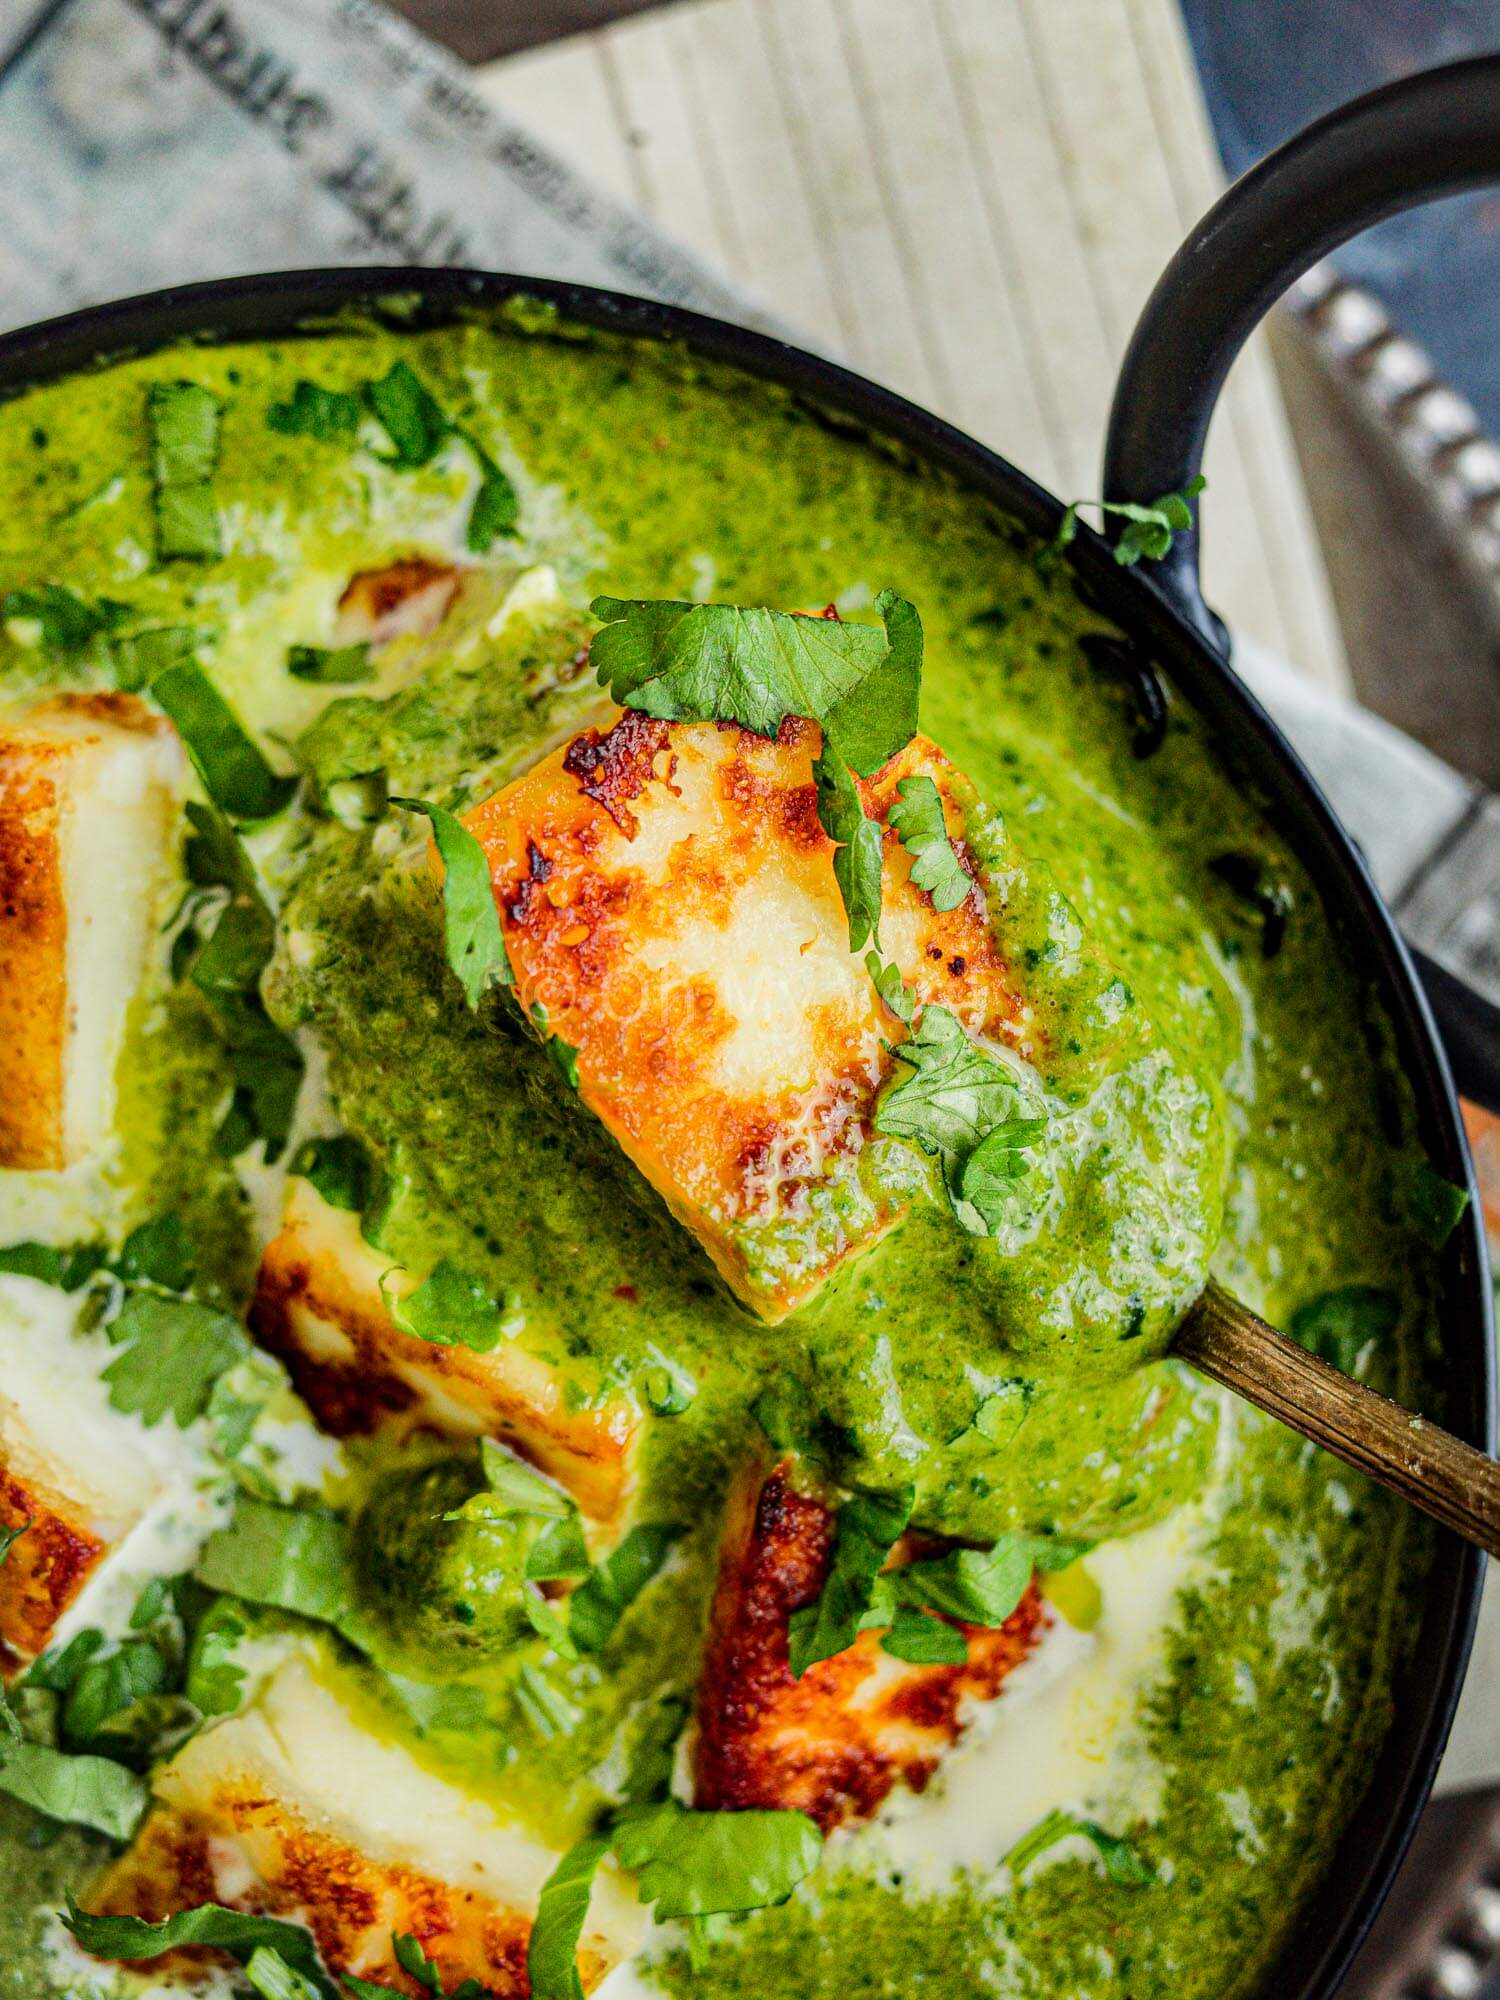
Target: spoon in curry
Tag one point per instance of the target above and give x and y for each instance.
(1426, 1465)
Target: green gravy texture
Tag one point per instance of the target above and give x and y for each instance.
(645, 472)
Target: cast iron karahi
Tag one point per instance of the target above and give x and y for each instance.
(1429, 136)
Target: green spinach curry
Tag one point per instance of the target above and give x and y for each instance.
(929, 1627)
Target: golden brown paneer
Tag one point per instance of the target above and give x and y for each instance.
(667, 896)
(405, 599)
(90, 791)
(75, 1473)
(319, 1306)
(294, 1808)
(837, 1742)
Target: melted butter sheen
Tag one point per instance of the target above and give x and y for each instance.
(647, 474)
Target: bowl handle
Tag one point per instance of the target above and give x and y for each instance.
(1433, 134)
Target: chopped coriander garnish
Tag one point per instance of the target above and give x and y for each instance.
(697, 1864)
(869, 1526)
(172, 1351)
(449, 1308)
(68, 1269)
(918, 820)
(138, 657)
(233, 769)
(330, 666)
(1434, 1207)
(183, 418)
(339, 1168)
(315, 412)
(67, 622)
(562, 1907)
(476, 945)
(291, 1557)
(545, 1707)
(964, 1106)
(731, 663)
(598, 1605)
(513, 1487)
(210, 1926)
(79, 1791)
(1121, 1862)
(410, 416)
(924, 1641)
(1150, 528)
(158, 1253)
(857, 846)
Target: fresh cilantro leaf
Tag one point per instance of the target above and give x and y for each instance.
(857, 846)
(1150, 528)
(653, 1757)
(476, 946)
(598, 1605)
(272, 1978)
(559, 1551)
(234, 772)
(214, 1684)
(449, 1309)
(238, 949)
(868, 1527)
(57, 1670)
(410, 416)
(1001, 1415)
(330, 666)
(1339, 1325)
(413, 1961)
(66, 620)
(330, 415)
(10, 1536)
(894, 993)
(106, 1685)
(923, 1641)
(923, 832)
(172, 1351)
(668, 1391)
(183, 419)
(868, 724)
(138, 657)
(68, 1269)
(266, 1067)
(728, 663)
(512, 1487)
(697, 1864)
(978, 1586)
(1121, 1862)
(546, 1624)
(158, 1253)
(79, 1791)
(497, 506)
(1434, 1207)
(456, 1707)
(290, 1557)
(211, 1926)
(545, 1707)
(997, 1161)
(562, 1908)
(563, 1055)
(339, 1168)
(954, 1096)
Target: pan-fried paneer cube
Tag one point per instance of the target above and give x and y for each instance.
(81, 1479)
(670, 908)
(296, 1807)
(90, 790)
(837, 1742)
(409, 598)
(319, 1306)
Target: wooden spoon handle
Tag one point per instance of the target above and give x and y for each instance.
(1425, 1464)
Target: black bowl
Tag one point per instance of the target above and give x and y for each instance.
(1361, 1868)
